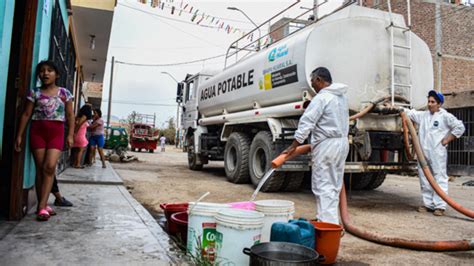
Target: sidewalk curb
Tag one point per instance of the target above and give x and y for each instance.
(152, 225)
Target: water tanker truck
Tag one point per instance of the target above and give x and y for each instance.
(246, 114)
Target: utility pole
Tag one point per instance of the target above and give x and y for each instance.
(110, 91)
(438, 43)
(315, 10)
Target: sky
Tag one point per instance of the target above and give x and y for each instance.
(145, 35)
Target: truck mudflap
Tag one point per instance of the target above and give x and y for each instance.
(392, 168)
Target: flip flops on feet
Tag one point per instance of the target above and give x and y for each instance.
(50, 211)
(42, 215)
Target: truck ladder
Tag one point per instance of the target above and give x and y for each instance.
(406, 31)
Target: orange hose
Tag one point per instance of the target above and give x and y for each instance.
(451, 245)
(282, 158)
(364, 111)
(427, 172)
(405, 139)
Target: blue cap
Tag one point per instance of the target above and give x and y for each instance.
(437, 95)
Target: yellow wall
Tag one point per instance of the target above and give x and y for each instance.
(96, 4)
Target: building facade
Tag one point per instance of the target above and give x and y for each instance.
(32, 31)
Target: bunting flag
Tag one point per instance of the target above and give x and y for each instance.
(199, 19)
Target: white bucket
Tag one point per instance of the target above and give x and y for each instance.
(275, 211)
(202, 229)
(236, 230)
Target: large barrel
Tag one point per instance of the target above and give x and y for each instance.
(353, 43)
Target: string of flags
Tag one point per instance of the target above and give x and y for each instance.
(179, 8)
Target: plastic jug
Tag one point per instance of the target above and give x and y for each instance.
(295, 231)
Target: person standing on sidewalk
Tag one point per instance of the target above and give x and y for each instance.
(437, 128)
(162, 143)
(96, 140)
(80, 140)
(49, 106)
(327, 119)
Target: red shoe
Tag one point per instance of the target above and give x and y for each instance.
(42, 215)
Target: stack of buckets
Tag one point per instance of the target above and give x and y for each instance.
(217, 233)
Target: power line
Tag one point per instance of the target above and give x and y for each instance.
(203, 14)
(156, 17)
(170, 64)
(142, 103)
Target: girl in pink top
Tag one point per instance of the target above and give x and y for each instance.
(80, 140)
(49, 106)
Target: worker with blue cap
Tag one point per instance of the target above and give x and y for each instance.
(437, 128)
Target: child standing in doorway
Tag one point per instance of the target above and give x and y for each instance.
(49, 106)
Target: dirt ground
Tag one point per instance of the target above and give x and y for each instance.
(389, 210)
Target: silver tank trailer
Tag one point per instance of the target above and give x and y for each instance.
(354, 44)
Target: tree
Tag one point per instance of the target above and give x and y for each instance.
(169, 131)
(133, 118)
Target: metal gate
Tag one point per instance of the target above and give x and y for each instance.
(62, 53)
(461, 151)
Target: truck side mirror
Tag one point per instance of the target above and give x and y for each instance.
(179, 92)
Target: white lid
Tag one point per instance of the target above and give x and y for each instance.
(206, 208)
(275, 206)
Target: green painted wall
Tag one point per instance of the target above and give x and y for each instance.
(7, 10)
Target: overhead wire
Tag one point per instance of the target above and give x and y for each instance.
(171, 64)
(204, 14)
(177, 28)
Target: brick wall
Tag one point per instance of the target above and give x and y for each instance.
(457, 40)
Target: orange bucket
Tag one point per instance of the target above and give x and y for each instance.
(327, 240)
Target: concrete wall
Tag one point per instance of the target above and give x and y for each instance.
(6, 24)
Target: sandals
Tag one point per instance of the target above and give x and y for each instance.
(50, 211)
(42, 215)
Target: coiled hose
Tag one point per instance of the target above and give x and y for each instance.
(451, 245)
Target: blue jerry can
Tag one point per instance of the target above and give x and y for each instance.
(295, 231)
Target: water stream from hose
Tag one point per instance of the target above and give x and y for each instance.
(262, 182)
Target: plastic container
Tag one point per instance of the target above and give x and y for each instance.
(180, 219)
(275, 211)
(169, 209)
(328, 239)
(236, 230)
(202, 229)
(244, 205)
(295, 231)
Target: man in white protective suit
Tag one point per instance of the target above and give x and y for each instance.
(437, 128)
(327, 119)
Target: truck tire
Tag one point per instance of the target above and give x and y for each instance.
(377, 180)
(236, 158)
(359, 181)
(262, 152)
(293, 181)
(151, 151)
(133, 149)
(193, 158)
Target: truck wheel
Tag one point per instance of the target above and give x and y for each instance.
(151, 151)
(133, 149)
(193, 158)
(359, 180)
(236, 158)
(293, 181)
(377, 180)
(262, 152)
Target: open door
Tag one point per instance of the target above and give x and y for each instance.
(13, 200)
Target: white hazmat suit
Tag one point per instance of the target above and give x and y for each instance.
(327, 118)
(433, 128)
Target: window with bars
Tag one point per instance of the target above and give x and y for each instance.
(62, 53)
(461, 151)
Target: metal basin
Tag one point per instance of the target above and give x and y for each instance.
(281, 254)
